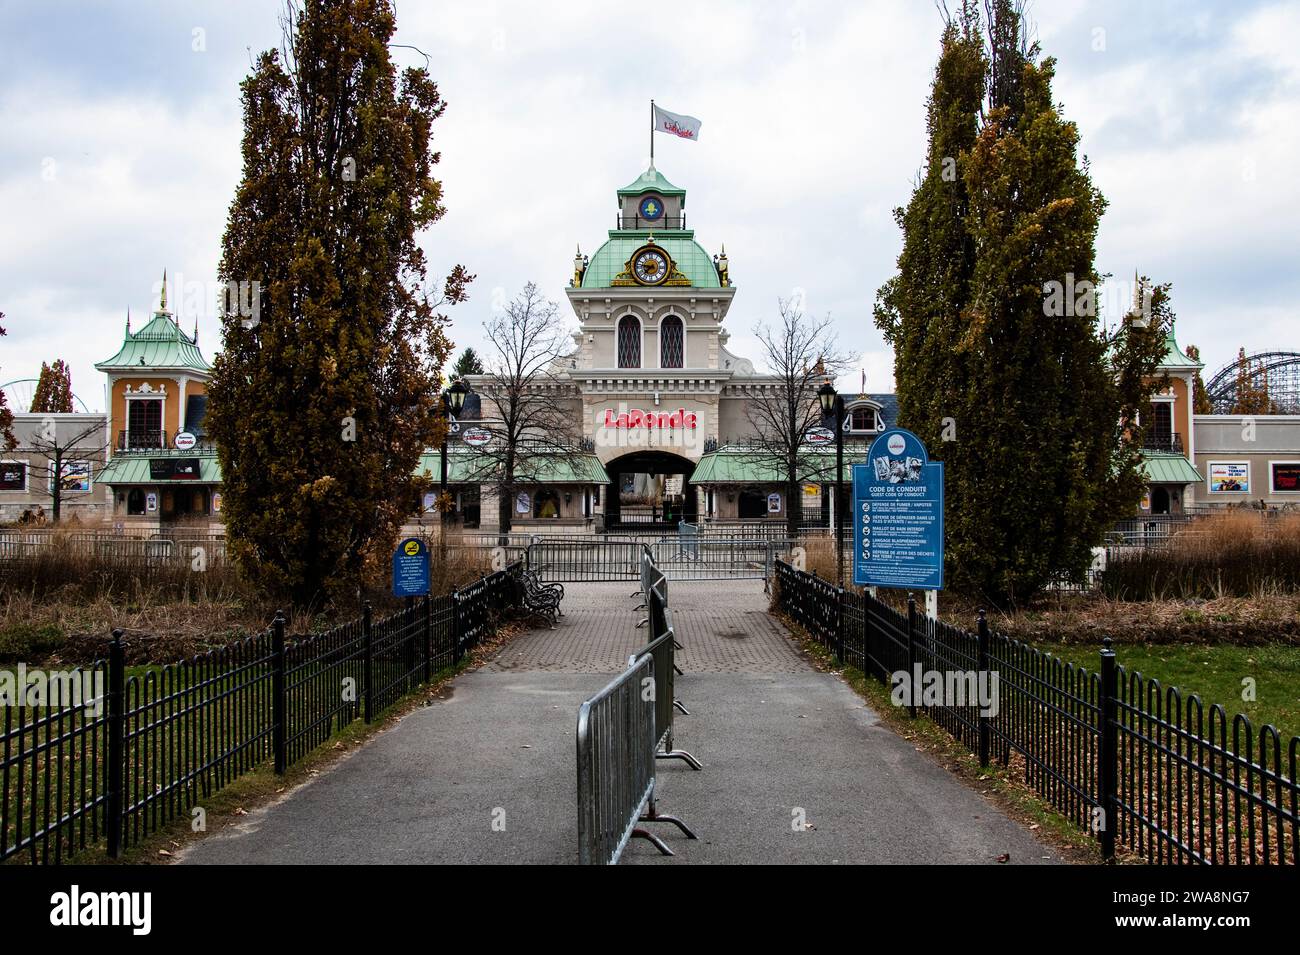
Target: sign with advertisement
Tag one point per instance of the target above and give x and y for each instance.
(1284, 476)
(151, 501)
(184, 440)
(13, 476)
(74, 476)
(216, 503)
(819, 437)
(476, 437)
(173, 469)
(668, 420)
(774, 503)
(898, 515)
(523, 503)
(1229, 477)
(411, 568)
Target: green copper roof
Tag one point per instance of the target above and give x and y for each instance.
(686, 253)
(463, 469)
(1174, 357)
(652, 180)
(1167, 467)
(733, 465)
(134, 469)
(160, 344)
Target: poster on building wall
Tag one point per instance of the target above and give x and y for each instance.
(216, 503)
(13, 476)
(1285, 475)
(774, 503)
(74, 476)
(1229, 477)
(523, 503)
(151, 501)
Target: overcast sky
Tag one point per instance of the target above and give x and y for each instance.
(121, 125)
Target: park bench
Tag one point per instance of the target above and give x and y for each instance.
(540, 598)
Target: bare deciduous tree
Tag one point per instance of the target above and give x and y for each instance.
(801, 353)
(524, 399)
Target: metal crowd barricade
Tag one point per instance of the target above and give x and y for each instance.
(585, 559)
(663, 648)
(688, 540)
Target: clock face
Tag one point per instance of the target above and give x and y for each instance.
(650, 266)
(651, 208)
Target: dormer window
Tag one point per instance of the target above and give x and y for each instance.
(864, 420)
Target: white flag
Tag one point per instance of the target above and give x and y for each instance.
(687, 127)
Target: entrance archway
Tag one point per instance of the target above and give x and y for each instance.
(649, 489)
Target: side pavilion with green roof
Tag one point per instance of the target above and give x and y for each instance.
(162, 468)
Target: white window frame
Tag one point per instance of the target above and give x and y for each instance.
(147, 396)
(1209, 476)
(1273, 461)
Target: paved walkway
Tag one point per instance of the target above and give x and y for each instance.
(796, 768)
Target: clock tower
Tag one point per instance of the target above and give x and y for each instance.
(651, 363)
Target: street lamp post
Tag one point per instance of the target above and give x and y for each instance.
(833, 403)
(453, 399)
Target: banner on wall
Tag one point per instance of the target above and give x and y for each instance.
(523, 503)
(1229, 477)
(1286, 475)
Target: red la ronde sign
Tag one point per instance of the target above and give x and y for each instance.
(681, 418)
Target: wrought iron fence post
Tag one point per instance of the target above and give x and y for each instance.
(984, 718)
(116, 743)
(866, 632)
(1108, 750)
(279, 704)
(366, 652)
(839, 625)
(911, 654)
(428, 637)
(455, 626)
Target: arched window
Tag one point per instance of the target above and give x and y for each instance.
(629, 342)
(672, 344)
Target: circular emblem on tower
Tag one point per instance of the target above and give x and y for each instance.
(651, 208)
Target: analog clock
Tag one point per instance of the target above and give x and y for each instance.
(650, 266)
(651, 208)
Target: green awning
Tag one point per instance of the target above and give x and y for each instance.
(134, 468)
(465, 468)
(1167, 467)
(743, 466)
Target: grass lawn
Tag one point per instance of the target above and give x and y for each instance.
(1215, 673)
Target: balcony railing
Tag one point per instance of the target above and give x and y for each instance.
(1163, 441)
(640, 222)
(150, 440)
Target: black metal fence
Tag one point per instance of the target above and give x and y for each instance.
(1139, 765)
(117, 755)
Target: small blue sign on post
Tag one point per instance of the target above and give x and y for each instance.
(411, 568)
(898, 515)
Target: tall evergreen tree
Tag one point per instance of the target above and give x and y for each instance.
(1001, 363)
(467, 364)
(324, 394)
(1201, 403)
(53, 394)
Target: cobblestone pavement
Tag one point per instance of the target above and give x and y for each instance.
(721, 625)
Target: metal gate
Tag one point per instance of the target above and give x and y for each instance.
(684, 557)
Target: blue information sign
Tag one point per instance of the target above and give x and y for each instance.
(898, 515)
(411, 568)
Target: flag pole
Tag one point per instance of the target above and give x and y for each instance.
(652, 134)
